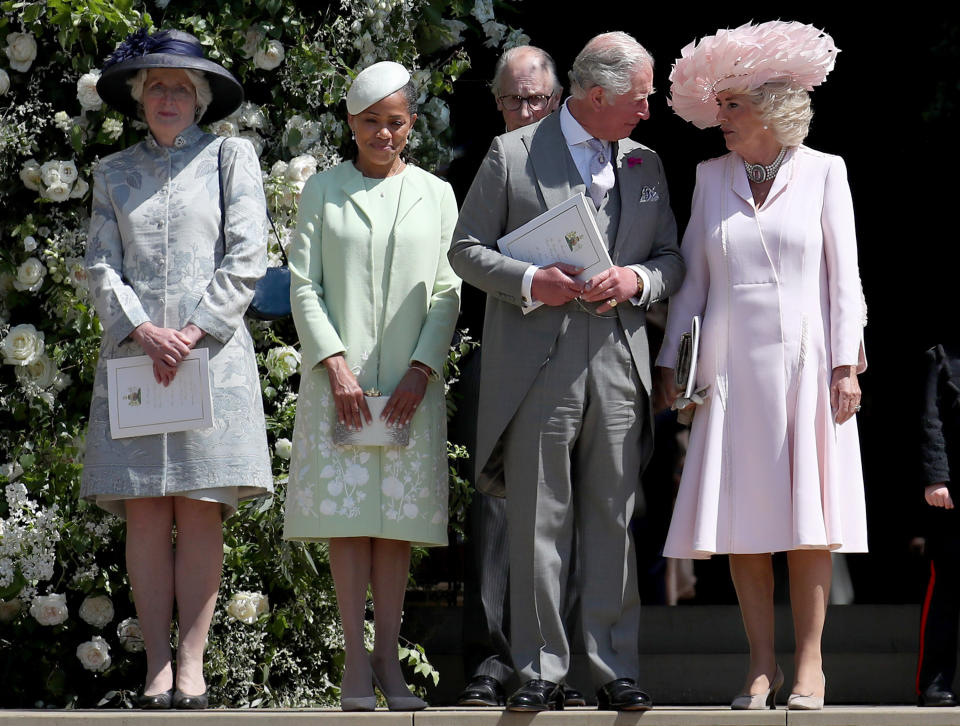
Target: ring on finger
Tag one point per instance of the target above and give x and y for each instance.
(612, 302)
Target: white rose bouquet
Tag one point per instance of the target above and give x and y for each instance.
(282, 362)
(30, 275)
(21, 50)
(87, 91)
(270, 56)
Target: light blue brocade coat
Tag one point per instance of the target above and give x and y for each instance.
(155, 253)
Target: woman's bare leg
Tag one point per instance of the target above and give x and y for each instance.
(350, 564)
(810, 572)
(753, 579)
(150, 568)
(199, 562)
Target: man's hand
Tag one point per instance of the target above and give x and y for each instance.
(616, 285)
(554, 284)
(937, 495)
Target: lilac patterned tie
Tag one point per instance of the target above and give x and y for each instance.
(601, 172)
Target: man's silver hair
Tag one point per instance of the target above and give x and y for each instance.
(197, 78)
(610, 61)
(542, 59)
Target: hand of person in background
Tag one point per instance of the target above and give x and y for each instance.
(937, 495)
(348, 397)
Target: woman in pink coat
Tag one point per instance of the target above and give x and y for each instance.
(774, 460)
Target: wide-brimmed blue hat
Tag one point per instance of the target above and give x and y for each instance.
(166, 49)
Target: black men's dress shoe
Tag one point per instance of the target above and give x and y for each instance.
(623, 695)
(537, 695)
(186, 702)
(482, 691)
(572, 697)
(156, 702)
(937, 694)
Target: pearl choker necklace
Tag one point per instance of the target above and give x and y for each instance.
(758, 173)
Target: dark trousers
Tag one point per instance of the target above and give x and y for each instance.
(941, 606)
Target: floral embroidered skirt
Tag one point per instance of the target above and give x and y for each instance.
(366, 491)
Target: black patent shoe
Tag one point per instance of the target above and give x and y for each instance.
(622, 694)
(572, 697)
(156, 702)
(937, 694)
(482, 691)
(537, 695)
(186, 702)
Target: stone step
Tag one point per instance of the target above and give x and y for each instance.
(666, 716)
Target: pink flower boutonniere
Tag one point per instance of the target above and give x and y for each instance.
(633, 161)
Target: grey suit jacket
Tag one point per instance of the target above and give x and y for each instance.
(526, 172)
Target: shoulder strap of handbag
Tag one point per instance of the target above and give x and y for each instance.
(222, 207)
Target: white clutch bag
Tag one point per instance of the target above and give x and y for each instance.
(377, 433)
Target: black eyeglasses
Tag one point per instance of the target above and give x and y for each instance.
(536, 102)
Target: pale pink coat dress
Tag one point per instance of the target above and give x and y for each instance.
(779, 295)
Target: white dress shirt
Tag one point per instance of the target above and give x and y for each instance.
(577, 137)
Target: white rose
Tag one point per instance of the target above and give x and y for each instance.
(79, 189)
(278, 169)
(49, 609)
(225, 127)
(50, 172)
(4, 82)
(40, 373)
(30, 175)
(68, 171)
(57, 192)
(252, 116)
(21, 50)
(269, 57)
(248, 606)
(87, 91)
(94, 654)
(251, 41)
(29, 243)
(130, 635)
(96, 611)
(9, 609)
(282, 362)
(282, 448)
(112, 128)
(77, 273)
(301, 168)
(22, 345)
(30, 275)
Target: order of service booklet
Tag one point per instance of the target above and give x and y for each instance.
(566, 233)
(140, 406)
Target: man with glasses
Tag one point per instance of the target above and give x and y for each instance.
(525, 85)
(565, 409)
(526, 88)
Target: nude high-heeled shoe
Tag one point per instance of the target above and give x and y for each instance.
(801, 702)
(757, 701)
(409, 702)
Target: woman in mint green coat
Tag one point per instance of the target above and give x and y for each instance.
(375, 304)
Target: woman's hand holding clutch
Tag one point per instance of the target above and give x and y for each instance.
(348, 397)
(407, 395)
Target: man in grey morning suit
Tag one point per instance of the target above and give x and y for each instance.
(564, 390)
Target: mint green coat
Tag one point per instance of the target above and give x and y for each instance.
(381, 308)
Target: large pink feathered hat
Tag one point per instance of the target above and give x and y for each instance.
(746, 58)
